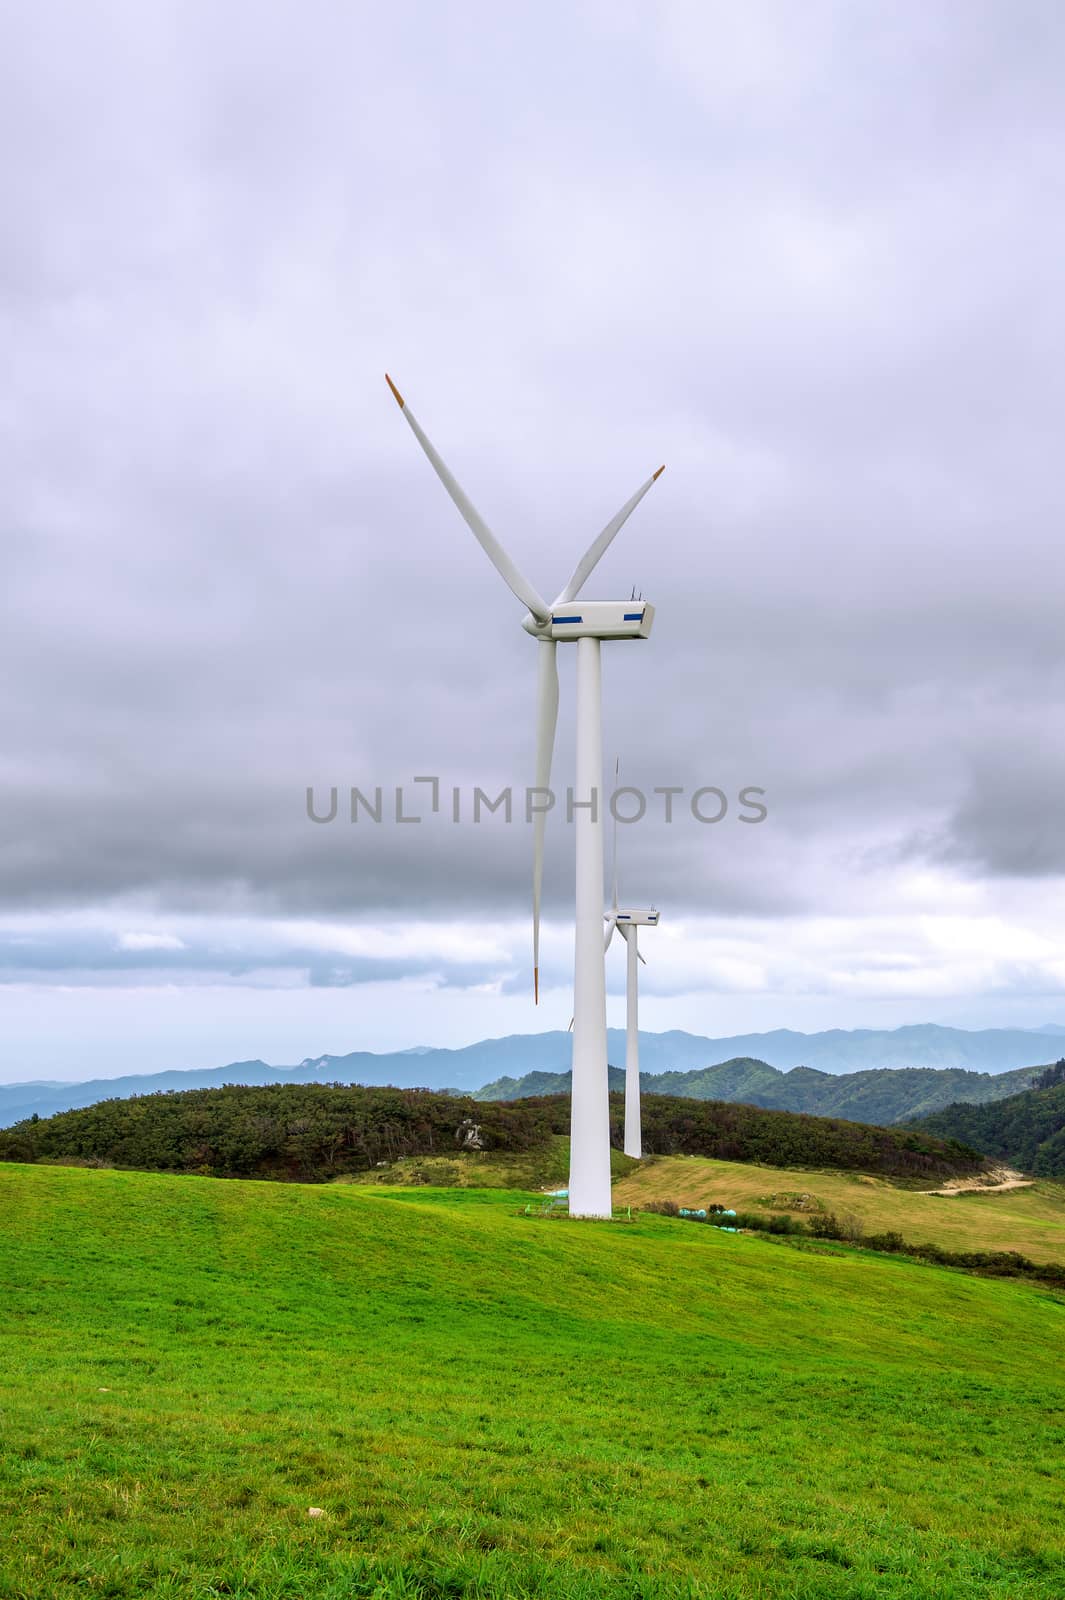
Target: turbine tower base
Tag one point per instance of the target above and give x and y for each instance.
(633, 1130)
(589, 1160)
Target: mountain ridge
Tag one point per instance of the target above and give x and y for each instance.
(834, 1052)
(885, 1096)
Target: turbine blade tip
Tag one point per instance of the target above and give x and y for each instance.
(399, 397)
(657, 475)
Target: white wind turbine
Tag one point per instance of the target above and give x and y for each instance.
(627, 920)
(588, 623)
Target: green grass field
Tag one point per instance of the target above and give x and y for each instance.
(1031, 1221)
(487, 1404)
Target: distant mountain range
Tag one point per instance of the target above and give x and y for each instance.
(882, 1095)
(674, 1054)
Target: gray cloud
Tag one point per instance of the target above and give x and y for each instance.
(1008, 820)
(810, 260)
(256, 957)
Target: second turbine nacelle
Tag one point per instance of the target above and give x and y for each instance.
(641, 919)
(594, 619)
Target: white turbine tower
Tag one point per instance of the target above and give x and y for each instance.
(627, 920)
(588, 623)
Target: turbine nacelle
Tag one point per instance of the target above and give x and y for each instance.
(601, 619)
(593, 619)
(631, 918)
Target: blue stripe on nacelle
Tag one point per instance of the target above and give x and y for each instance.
(567, 619)
(631, 616)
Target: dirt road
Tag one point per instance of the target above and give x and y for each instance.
(993, 1182)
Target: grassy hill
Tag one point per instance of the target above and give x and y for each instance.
(1027, 1129)
(880, 1095)
(485, 1404)
(317, 1132)
(1030, 1221)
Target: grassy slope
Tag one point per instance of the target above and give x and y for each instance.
(493, 1405)
(1029, 1220)
(545, 1167)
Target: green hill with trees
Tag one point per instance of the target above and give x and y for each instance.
(317, 1132)
(884, 1095)
(1027, 1130)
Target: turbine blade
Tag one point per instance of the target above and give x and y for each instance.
(640, 955)
(546, 718)
(597, 549)
(518, 584)
(611, 924)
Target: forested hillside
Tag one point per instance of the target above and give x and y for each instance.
(1027, 1130)
(883, 1095)
(315, 1132)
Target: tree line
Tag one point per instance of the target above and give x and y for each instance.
(317, 1132)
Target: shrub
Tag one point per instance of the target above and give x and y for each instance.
(785, 1224)
(848, 1229)
(892, 1243)
(825, 1227)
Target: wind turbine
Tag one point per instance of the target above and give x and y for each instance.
(627, 921)
(588, 624)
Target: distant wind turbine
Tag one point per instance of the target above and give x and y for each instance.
(627, 920)
(588, 623)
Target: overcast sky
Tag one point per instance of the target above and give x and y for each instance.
(809, 256)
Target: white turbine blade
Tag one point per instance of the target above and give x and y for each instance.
(611, 924)
(640, 955)
(595, 551)
(546, 718)
(515, 580)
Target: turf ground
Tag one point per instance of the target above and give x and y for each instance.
(482, 1403)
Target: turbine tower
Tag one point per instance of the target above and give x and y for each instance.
(587, 624)
(627, 921)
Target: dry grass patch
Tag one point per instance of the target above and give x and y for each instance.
(1028, 1220)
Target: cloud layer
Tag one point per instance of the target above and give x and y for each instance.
(808, 258)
